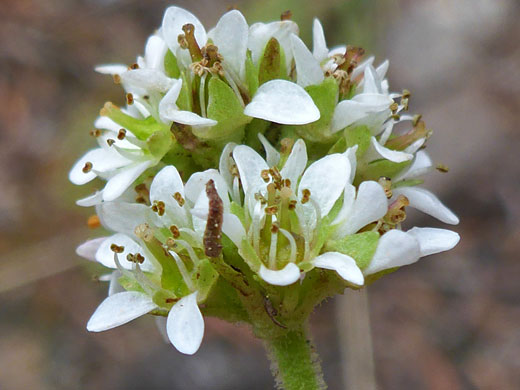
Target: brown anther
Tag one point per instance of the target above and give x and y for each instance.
(146, 97)
(144, 232)
(286, 15)
(292, 204)
(110, 141)
(117, 249)
(271, 210)
(117, 79)
(306, 195)
(175, 231)
(93, 222)
(95, 133)
(386, 183)
(287, 183)
(416, 119)
(275, 227)
(139, 258)
(265, 175)
(87, 167)
(170, 243)
(171, 300)
(394, 107)
(178, 197)
(121, 134)
(442, 168)
(129, 99)
(260, 198)
(134, 66)
(286, 145)
(406, 94)
(396, 117)
(158, 207)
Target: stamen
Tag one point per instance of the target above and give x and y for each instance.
(202, 95)
(117, 79)
(93, 222)
(306, 195)
(286, 145)
(175, 231)
(134, 66)
(265, 175)
(271, 210)
(190, 250)
(95, 133)
(442, 168)
(129, 99)
(272, 250)
(110, 142)
(386, 183)
(292, 242)
(396, 211)
(121, 134)
(286, 15)
(159, 207)
(135, 258)
(178, 197)
(116, 248)
(87, 167)
(144, 232)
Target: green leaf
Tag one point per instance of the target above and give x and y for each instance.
(361, 247)
(205, 278)
(159, 143)
(359, 136)
(270, 64)
(251, 74)
(226, 109)
(325, 96)
(171, 67)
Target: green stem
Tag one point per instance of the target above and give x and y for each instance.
(295, 364)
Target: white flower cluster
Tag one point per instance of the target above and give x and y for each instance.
(209, 211)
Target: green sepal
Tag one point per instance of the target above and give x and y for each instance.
(223, 302)
(361, 247)
(407, 183)
(249, 255)
(359, 136)
(159, 143)
(185, 99)
(141, 128)
(339, 147)
(171, 278)
(204, 278)
(171, 67)
(238, 210)
(251, 74)
(325, 96)
(270, 63)
(378, 168)
(130, 284)
(226, 109)
(164, 299)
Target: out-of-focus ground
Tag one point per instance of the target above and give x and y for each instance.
(451, 321)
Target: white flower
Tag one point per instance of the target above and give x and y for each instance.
(120, 159)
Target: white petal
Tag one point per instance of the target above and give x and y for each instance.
(349, 196)
(185, 325)
(196, 186)
(433, 240)
(124, 179)
(296, 163)
(344, 265)
(88, 249)
(104, 255)
(148, 79)
(284, 277)
(173, 20)
(232, 227)
(360, 69)
(111, 69)
(395, 248)
(168, 105)
(377, 151)
(154, 53)
(102, 161)
(272, 156)
(370, 82)
(370, 205)
(326, 179)
(284, 102)
(122, 217)
(260, 33)
(421, 164)
(382, 69)
(350, 153)
(226, 163)
(230, 35)
(319, 45)
(91, 200)
(415, 146)
(165, 184)
(428, 203)
(308, 69)
(189, 118)
(361, 106)
(118, 309)
(250, 165)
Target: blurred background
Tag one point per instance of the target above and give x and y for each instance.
(451, 321)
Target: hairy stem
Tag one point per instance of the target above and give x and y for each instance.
(295, 364)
